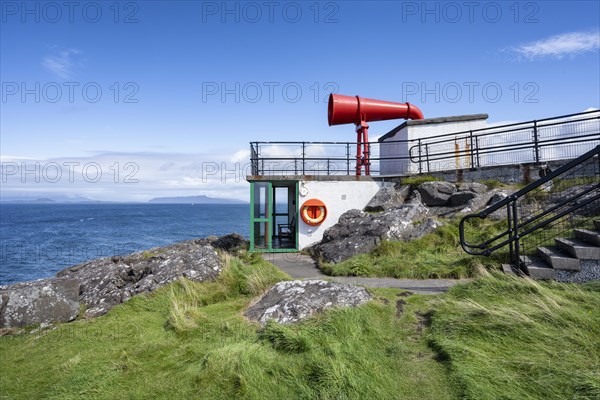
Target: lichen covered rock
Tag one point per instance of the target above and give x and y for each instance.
(292, 301)
(357, 232)
(37, 302)
(109, 281)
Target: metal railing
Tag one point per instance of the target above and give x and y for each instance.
(537, 141)
(567, 194)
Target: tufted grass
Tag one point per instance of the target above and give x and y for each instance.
(505, 337)
(190, 340)
(415, 181)
(497, 337)
(436, 255)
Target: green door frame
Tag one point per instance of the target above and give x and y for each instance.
(269, 220)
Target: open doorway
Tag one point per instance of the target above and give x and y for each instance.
(274, 216)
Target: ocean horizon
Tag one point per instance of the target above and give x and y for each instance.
(39, 240)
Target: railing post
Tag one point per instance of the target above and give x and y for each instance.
(536, 142)
(427, 157)
(303, 157)
(477, 146)
(516, 234)
(420, 167)
(510, 232)
(369, 159)
(328, 166)
(471, 152)
(252, 160)
(347, 158)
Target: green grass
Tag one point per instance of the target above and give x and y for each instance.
(436, 255)
(415, 181)
(514, 338)
(497, 337)
(494, 184)
(190, 340)
(559, 185)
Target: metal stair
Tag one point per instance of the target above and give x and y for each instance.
(566, 255)
(561, 203)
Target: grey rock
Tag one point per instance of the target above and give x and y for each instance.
(386, 198)
(474, 187)
(591, 209)
(461, 198)
(357, 232)
(39, 302)
(497, 197)
(427, 226)
(436, 193)
(446, 211)
(108, 282)
(230, 242)
(403, 191)
(291, 301)
(479, 202)
(415, 197)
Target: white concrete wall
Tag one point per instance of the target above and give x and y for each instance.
(339, 197)
(412, 132)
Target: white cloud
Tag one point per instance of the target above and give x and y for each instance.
(240, 156)
(61, 64)
(559, 46)
(126, 176)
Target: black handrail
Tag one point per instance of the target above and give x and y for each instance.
(516, 231)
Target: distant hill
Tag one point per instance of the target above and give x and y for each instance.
(201, 199)
(41, 200)
(47, 198)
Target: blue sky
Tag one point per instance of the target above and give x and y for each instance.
(165, 92)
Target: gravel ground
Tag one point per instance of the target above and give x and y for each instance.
(590, 271)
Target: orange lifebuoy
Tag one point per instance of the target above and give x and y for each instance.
(313, 212)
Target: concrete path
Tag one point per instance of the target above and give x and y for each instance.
(300, 266)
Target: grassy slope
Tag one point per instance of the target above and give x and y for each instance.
(498, 337)
(436, 255)
(189, 340)
(512, 338)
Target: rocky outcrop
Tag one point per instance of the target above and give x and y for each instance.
(479, 202)
(358, 232)
(475, 187)
(388, 197)
(110, 281)
(436, 193)
(230, 243)
(291, 301)
(446, 194)
(403, 216)
(461, 198)
(37, 302)
(497, 197)
(101, 284)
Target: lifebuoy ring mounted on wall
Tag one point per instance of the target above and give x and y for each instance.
(313, 212)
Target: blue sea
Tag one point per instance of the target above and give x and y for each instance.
(38, 240)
